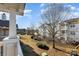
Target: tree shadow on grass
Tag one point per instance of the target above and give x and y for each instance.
(61, 50)
(27, 50)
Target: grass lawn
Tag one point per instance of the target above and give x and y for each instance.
(30, 48)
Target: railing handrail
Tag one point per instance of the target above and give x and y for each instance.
(19, 50)
(19, 47)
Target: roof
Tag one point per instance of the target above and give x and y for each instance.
(74, 20)
(5, 23)
(71, 21)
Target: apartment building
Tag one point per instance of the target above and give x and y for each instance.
(70, 30)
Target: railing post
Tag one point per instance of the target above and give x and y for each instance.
(10, 47)
(0, 50)
(12, 25)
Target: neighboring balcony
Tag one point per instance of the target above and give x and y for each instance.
(64, 28)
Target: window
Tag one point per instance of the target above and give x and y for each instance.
(63, 31)
(72, 25)
(72, 32)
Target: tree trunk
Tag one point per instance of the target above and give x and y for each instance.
(53, 41)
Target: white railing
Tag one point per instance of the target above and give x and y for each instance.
(1, 46)
(19, 48)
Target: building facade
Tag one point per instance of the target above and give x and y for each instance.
(4, 27)
(70, 30)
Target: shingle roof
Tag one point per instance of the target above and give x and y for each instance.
(4, 23)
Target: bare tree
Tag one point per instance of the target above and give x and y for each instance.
(32, 26)
(51, 16)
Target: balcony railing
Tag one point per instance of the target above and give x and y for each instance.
(19, 48)
(4, 51)
(1, 48)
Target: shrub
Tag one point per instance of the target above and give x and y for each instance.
(32, 37)
(42, 46)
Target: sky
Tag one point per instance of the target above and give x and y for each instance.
(32, 14)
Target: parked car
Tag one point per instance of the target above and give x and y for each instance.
(37, 37)
(73, 42)
(74, 53)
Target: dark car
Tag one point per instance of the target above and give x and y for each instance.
(74, 53)
(37, 37)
